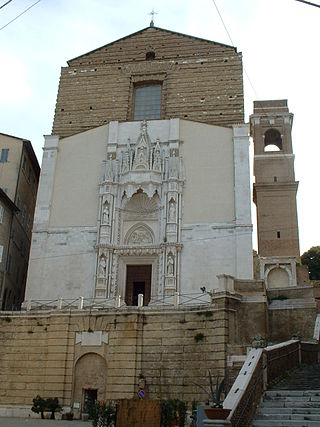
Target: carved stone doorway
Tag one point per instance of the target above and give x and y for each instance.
(138, 282)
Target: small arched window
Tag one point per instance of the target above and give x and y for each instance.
(272, 140)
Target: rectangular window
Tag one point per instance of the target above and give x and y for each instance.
(147, 102)
(9, 264)
(278, 234)
(1, 214)
(1, 252)
(4, 155)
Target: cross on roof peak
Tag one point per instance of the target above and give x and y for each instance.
(152, 19)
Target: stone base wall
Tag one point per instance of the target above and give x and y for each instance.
(55, 354)
(166, 351)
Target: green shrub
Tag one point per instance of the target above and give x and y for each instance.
(103, 415)
(173, 411)
(41, 405)
(52, 405)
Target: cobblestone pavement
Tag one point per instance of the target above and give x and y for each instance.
(34, 422)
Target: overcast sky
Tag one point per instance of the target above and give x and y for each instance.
(278, 38)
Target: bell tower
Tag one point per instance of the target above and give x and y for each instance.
(275, 187)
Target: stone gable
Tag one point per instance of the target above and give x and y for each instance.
(201, 81)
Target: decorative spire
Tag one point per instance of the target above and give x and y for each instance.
(152, 19)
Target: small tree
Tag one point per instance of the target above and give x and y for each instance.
(39, 406)
(104, 414)
(311, 258)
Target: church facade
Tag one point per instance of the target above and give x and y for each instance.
(157, 200)
(141, 268)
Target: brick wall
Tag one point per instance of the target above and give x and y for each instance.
(201, 81)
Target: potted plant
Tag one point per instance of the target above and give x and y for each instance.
(215, 410)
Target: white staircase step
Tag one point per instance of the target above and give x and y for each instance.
(296, 410)
(284, 423)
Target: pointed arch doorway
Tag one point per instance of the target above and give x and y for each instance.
(138, 281)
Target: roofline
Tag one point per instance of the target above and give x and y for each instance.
(12, 136)
(8, 201)
(28, 146)
(33, 158)
(144, 29)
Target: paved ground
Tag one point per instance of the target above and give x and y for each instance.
(33, 422)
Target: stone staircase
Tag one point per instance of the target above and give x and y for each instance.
(294, 401)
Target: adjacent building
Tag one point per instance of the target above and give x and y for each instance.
(19, 176)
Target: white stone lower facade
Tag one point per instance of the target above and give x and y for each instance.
(165, 209)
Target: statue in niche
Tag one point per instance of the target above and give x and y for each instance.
(125, 162)
(109, 170)
(157, 158)
(170, 265)
(106, 213)
(172, 211)
(173, 165)
(102, 266)
(129, 151)
(141, 154)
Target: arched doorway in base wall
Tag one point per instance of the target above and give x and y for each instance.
(89, 381)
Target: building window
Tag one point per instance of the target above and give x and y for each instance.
(1, 214)
(4, 155)
(278, 234)
(147, 102)
(1, 252)
(9, 264)
(272, 140)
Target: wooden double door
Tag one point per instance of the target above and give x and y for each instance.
(138, 282)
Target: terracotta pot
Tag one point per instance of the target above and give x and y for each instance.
(217, 413)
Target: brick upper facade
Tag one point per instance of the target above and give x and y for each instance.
(201, 81)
